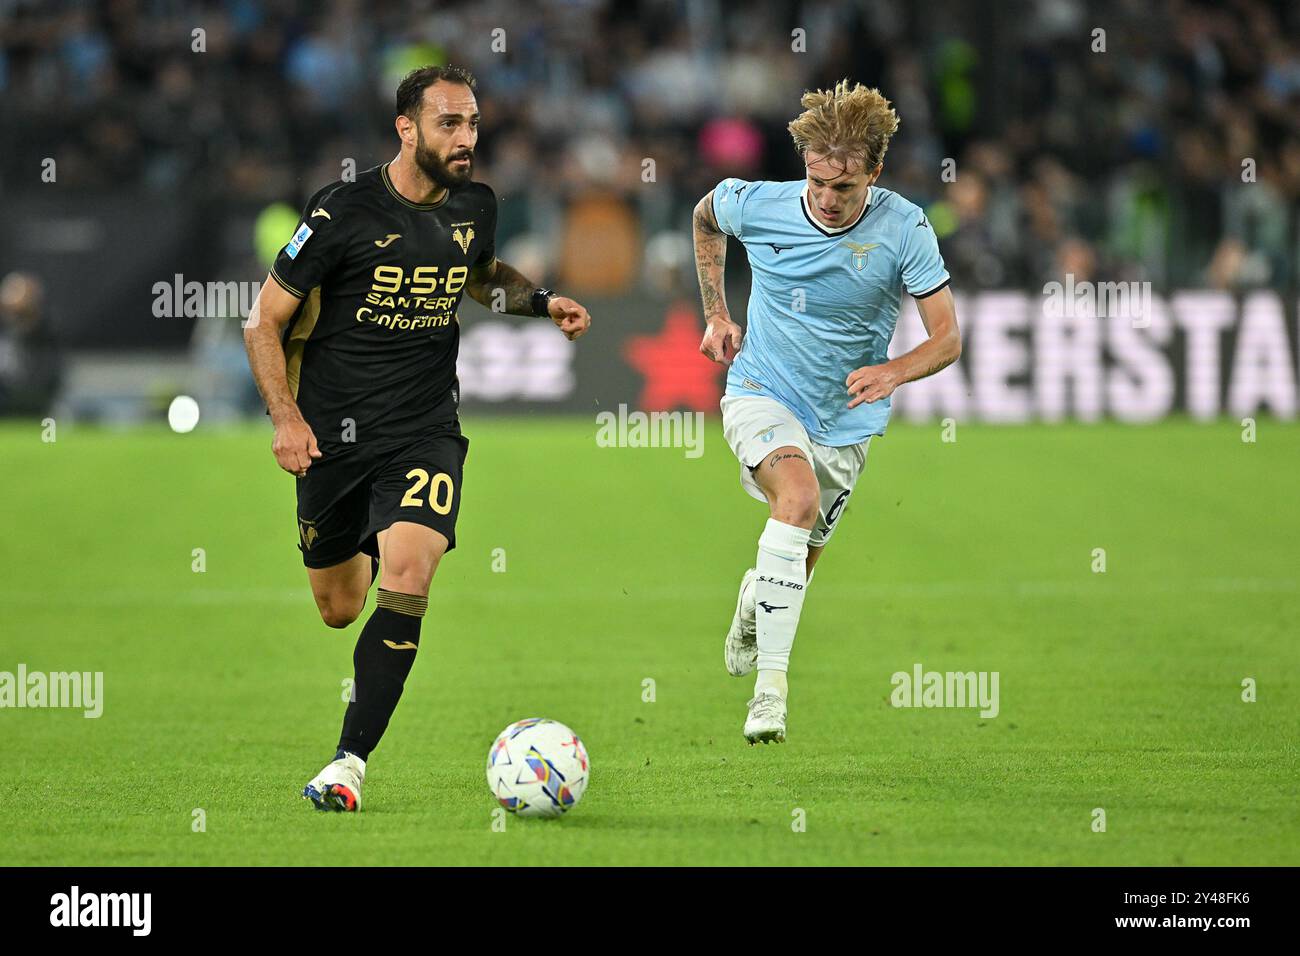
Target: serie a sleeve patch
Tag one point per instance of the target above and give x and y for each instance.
(296, 243)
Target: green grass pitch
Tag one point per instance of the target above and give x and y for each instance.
(1119, 690)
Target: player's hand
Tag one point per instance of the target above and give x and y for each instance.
(294, 446)
(721, 340)
(571, 317)
(871, 383)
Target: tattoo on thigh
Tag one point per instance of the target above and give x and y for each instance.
(775, 458)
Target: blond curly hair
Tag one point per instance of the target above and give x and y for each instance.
(846, 123)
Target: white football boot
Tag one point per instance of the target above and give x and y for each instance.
(766, 721)
(740, 652)
(338, 786)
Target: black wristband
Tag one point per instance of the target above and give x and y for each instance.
(541, 302)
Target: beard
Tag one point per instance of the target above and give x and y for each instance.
(438, 168)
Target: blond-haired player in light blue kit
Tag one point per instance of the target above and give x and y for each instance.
(830, 256)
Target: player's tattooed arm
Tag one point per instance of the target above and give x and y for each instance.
(294, 445)
(943, 347)
(503, 288)
(710, 258)
(721, 336)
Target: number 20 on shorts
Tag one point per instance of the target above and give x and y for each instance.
(440, 491)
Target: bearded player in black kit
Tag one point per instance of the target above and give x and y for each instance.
(353, 344)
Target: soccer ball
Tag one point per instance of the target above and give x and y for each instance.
(538, 768)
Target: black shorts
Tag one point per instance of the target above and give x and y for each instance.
(348, 497)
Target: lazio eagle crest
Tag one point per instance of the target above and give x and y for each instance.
(860, 251)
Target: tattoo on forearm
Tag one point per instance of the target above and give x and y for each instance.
(516, 290)
(775, 458)
(710, 295)
(710, 259)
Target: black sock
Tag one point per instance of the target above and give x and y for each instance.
(383, 657)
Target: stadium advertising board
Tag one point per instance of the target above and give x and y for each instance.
(1206, 354)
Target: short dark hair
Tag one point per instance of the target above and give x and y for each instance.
(410, 92)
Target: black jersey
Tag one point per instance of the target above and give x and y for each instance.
(371, 351)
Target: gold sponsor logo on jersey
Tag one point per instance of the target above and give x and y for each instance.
(860, 251)
(321, 212)
(401, 322)
(463, 239)
(387, 240)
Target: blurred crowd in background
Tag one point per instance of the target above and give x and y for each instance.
(1173, 156)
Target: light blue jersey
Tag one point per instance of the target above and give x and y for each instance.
(823, 301)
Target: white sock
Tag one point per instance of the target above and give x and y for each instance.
(747, 601)
(771, 682)
(778, 591)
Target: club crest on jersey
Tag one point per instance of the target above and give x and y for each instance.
(463, 239)
(860, 250)
(299, 237)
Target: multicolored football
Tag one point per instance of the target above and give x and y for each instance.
(538, 768)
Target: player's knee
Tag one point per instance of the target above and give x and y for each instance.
(797, 506)
(410, 558)
(409, 574)
(339, 612)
